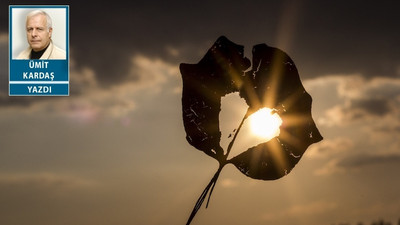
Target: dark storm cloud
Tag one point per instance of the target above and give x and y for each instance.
(350, 36)
(365, 160)
(325, 37)
(366, 109)
(359, 161)
(375, 100)
(378, 107)
(122, 30)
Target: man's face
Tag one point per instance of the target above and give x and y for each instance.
(37, 33)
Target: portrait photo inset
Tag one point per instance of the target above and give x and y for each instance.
(39, 37)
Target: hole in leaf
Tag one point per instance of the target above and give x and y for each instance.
(233, 108)
(265, 123)
(260, 127)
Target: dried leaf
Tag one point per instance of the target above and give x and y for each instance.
(273, 82)
(203, 86)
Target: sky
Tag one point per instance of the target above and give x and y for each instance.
(114, 151)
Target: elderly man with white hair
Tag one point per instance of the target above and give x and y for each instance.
(38, 32)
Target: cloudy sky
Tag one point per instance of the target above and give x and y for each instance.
(114, 151)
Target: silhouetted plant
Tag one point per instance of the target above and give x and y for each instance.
(273, 82)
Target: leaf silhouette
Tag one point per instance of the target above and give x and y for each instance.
(272, 82)
(204, 84)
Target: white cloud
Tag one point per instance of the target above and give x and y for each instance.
(331, 167)
(89, 101)
(359, 119)
(330, 147)
(82, 79)
(152, 72)
(332, 117)
(355, 86)
(148, 77)
(381, 87)
(362, 100)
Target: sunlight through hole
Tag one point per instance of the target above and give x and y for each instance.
(259, 127)
(265, 123)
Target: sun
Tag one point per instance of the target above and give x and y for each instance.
(265, 123)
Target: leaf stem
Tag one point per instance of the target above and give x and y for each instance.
(203, 195)
(214, 179)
